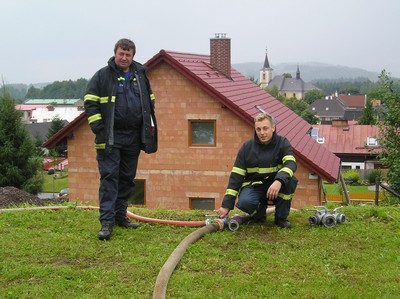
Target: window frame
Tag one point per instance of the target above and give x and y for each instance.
(372, 141)
(133, 193)
(190, 129)
(193, 199)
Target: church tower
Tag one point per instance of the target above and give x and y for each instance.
(265, 72)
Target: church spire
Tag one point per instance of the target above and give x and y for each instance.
(265, 72)
(298, 73)
(266, 62)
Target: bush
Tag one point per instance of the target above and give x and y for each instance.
(34, 185)
(373, 175)
(351, 176)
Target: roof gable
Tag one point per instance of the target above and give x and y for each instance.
(291, 84)
(353, 100)
(331, 107)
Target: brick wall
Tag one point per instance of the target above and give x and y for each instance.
(177, 171)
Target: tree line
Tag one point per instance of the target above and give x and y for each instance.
(67, 89)
(59, 90)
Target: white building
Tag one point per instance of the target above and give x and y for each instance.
(45, 110)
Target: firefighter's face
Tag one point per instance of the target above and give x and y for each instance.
(264, 130)
(123, 58)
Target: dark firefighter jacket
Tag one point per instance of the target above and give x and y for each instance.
(258, 163)
(99, 103)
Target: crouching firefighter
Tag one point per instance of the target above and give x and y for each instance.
(264, 170)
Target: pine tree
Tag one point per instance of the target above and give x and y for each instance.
(56, 125)
(367, 116)
(389, 129)
(18, 165)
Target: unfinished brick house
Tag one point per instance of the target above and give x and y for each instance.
(205, 111)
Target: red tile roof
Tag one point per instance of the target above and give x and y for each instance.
(358, 100)
(29, 107)
(350, 139)
(241, 96)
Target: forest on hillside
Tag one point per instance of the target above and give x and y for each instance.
(57, 90)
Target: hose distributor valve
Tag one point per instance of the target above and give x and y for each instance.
(232, 223)
(326, 217)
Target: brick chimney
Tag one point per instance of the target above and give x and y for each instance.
(220, 54)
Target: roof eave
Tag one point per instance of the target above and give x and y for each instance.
(65, 132)
(317, 170)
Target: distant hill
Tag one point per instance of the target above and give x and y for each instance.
(308, 71)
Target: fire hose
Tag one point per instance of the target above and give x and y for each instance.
(165, 273)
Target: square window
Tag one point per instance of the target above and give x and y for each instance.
(138, 195)
(202, 204)
(202, 133)
(372, 141)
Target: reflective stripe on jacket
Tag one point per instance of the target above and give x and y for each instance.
(99, 103)
(258, 163)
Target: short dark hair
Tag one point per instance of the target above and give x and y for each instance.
(126, 45)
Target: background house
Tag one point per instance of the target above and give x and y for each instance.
(205, 111)
(40, 130)
(339, 107)
(356, 145)
(45, 110)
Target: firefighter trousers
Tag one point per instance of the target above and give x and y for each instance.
(252, 200)
(117, 171)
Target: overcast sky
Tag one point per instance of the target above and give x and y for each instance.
(50, 40)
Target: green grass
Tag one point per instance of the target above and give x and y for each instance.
(59, 183)
(56, 254)
(334, 188)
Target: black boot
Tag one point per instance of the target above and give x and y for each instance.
(283, 223)
(105, 232)
(260, 216)
(126, 223)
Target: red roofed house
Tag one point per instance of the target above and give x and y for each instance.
(205, 111)
(356, 145)
(354, 101)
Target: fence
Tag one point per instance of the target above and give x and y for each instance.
(368, 197)
(371, 197)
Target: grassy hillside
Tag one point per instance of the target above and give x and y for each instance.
(56, 254)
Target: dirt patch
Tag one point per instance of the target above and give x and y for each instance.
(12, 197)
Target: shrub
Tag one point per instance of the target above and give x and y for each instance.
(373, 175)
(351, 176)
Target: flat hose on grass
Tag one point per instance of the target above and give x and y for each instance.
(165, 221)
(160, 287)
(129, 214)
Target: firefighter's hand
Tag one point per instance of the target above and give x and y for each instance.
(273, 190)
(222, 212)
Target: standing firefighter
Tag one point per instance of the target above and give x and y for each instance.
(264, 169)
(119, 105)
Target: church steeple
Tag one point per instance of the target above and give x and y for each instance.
(265, 72)
(298, 73)
(266, 62)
